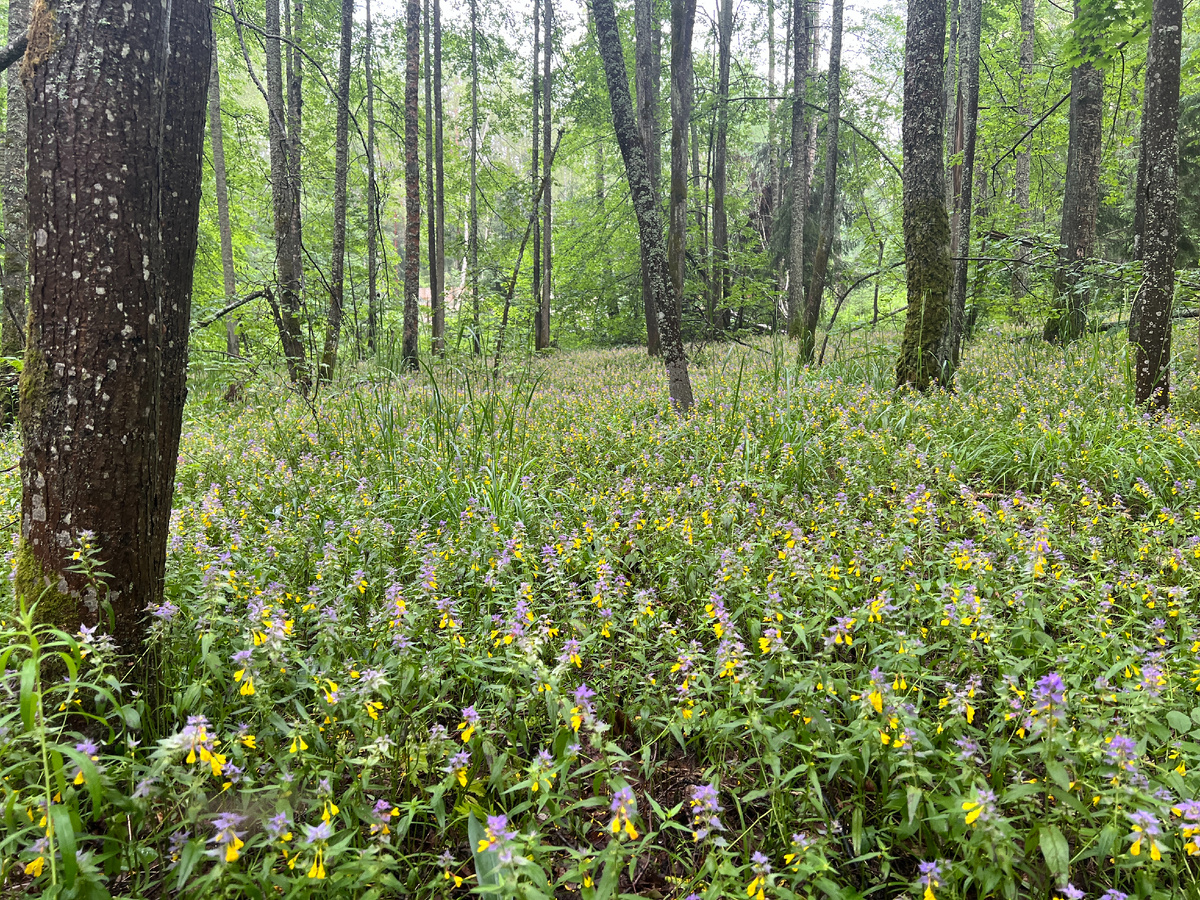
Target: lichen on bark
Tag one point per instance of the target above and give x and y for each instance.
(927, 251)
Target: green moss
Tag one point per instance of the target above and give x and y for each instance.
(34, 376)
(34, 584)
(927, 245)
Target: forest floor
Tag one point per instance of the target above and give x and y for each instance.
(537, 635)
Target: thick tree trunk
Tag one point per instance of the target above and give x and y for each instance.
(960, 249)
(647, 68)
(798, 178)
(412, 185)
(102, 387)
(816, 287)
(543, 318)
(222, 191)
(718, 286)
(16, 221)
(473, 227)
(1020, 276)
(373, 197)
(341, 163)
(439, 199)
(645, 203)
(1158, 204)
(926, 225)
(285, 202)
(683, 18)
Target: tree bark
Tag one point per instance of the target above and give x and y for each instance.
(439, 199)
(412, 186)
(535, 283)
(373, 196)
(1020, 276)
(798, 177)
(543, 318)
(284, 192)
(102, 387)
(645, 203)
(683, 18)
(341, 164)
(926, 226)
(473, 227)
(647, 68)
(16, 219)
(216, 134)
(1158, 202)
(816, 287)
(718, 286)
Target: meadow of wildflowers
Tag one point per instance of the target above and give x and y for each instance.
(536, 637)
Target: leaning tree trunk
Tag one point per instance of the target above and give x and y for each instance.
(543, 317)
(798, 178)
(337, 266)
(816, 287)
(1158, 203)
(220, 183)
(647, 68)
(412, 186)
(102, 387)
(439, 177)
(1020, 272)
(718, 286)
(645, 203)
(926, 226)
(285, 205)
(16, 222)
(683, 17)
(372, 198)
(970, 26)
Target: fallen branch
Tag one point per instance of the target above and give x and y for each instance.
(204, 323)
(13, 52)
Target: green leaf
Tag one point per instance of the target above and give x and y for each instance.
(64, 834)
(914, 795)
(485, 860)
(190, 855)
(28, 697)
(1055, 851)
(1179, 721)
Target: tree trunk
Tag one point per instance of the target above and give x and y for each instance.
(439, 199)
(412, 185)
(816, 287)
(952, 100)
(337, 266)
(968, 81)
(16, 221)
(372, 197)
(926, 225)
(683, 18)
(102, 387)
(1158, 202)
(473, 228)
(798, 178)
(285, 204)
(718, 286)
(772, 139)
(436, 294)
(1081, 201)
(543, 318)
(222, 192)
(295, 142)
(535, 283)
(647, 69)
(1020, 277)
(645, 203)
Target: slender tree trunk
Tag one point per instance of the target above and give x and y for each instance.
(1020, 277)
(816, 287)
(875, 302)
(645, 203)
(543, 319)
(719, 285)
(1081, 201)
(699, 203)
(798, 181)
(535, 283)
(222, 192)
(102, 387)
(412, 184)
(439, 200)
(372, 197)
(968, 80)
(1158, 202)
(683, 18)
(772, 137)
(473, 228)
(926, 225)
(16, 220)
(295, 134)
(436, 293)
(646, 77)
(953, 104)
(287, 217)
(337, 266)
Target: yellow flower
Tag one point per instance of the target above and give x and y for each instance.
(35, 868)
(974, 810)
(318, 866)
(297, 744)
(231, 849)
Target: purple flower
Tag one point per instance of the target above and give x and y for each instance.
(931, 875)
(1121, 752)
(706, 809)
(1070, 892)
(314, 834)
(278, 827)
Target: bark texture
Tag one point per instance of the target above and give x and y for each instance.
(542, 335)
(412, 185)
(926, 225)
(645, 203)
(719, 283)
(16, 221)
(473, 216)
(816, 287)
(683, 19)
(220, 182)
(798, 178)
(1158, 202)
(373, 194)
(341, 163)
(102, 388)
(647, 68)
(439, 177)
